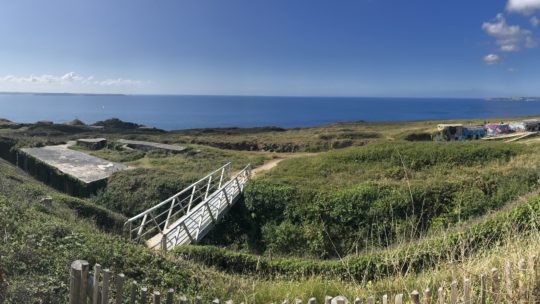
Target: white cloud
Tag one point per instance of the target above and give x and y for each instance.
(68, 79)
(510, 38)
(491, 59)
(523, 6)
(534, 21)
(119, 82)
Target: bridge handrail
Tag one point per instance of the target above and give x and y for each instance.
(246, 171)
(226, 167)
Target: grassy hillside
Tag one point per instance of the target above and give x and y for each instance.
(348, 201)
(39, 241)
(372, 211)
(158, 176)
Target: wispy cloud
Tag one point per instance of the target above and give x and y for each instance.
(491, 59)
(509, 38)
(534, 21)
(68, 78)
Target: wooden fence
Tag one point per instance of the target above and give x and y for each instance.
(513, 285)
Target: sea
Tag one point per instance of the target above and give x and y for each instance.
(186, 112)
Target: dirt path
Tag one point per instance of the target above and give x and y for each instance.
(274, 162)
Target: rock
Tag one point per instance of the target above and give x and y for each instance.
(46, 201)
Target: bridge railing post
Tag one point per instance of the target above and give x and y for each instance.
(221, 177)
(191, 198)
(164, 242)
(169, 213)
(208, 187)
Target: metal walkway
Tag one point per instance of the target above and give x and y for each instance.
(186, 217)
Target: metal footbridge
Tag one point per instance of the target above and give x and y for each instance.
(186, 217)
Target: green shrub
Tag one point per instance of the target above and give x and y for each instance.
(42, 245)
(416, 156)
(104, 218)
(413, 257)
(133, 191)
(418, 136)
(442, 185)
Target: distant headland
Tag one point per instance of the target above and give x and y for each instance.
(515, 98)
(61, 94)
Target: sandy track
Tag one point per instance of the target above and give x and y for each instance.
(274, 162)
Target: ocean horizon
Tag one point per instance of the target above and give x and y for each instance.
(172, 112)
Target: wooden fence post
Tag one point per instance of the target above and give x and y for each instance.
(415, 297)
(75, 282)
(440, 296)
(453, 293)
(398, 299)
(495, 286)
(144, 295)
(119, 286)
(532, 278)
(133, 292)
(482, 289)
(467, 291)
(83, 295)
(522, 281)
(508, 282)
(183, 300)
(156, 297)
(340, 300)
(426, 296)
(170, 296)
(95, 285)
(105, 286)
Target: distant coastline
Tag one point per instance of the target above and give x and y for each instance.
(61, 94)
(516, 98)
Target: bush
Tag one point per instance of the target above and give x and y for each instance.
(133, 191)
(418, 136)
(42, 246)
(287, 215)
(413, 257)
(104, 218)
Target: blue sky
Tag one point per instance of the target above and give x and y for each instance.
(424, 48)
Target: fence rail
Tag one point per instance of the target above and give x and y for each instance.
(513, 285)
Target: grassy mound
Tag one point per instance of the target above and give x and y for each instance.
(40, 240)
(343, 202)
(454, 245)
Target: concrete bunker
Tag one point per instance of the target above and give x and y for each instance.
(148, 146)
(67, 170)
(92, 143)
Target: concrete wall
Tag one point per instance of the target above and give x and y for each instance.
(55, 178)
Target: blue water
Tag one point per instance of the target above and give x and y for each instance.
(182, 112)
